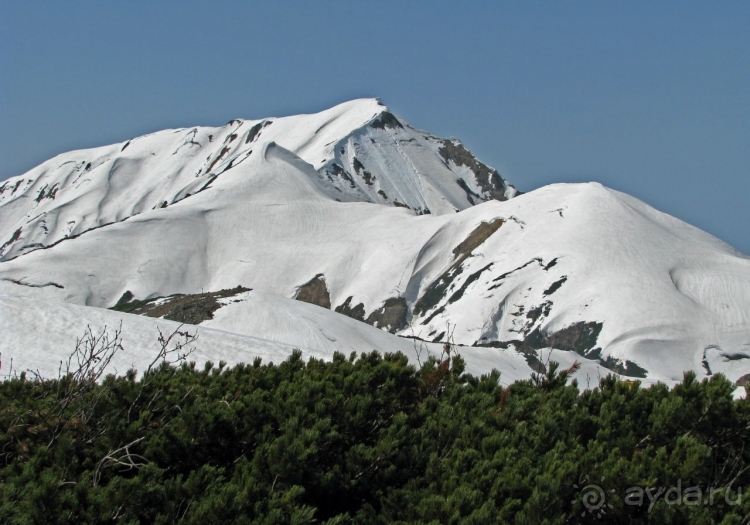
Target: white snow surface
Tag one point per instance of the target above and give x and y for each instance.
(253, 325)
(357, 158)
(262, 204)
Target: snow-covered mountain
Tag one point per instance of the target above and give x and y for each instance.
(360, 151)
(357, 212)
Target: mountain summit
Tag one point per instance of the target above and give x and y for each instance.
(341, 230)
(359, 150)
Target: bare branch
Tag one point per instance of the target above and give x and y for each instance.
(121, 457)
(172, 350)
(83, 369)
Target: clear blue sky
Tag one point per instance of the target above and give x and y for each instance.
(651, 98)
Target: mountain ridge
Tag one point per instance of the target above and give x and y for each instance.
(318, 139)
(577, 267)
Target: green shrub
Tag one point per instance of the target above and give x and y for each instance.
(367, 439)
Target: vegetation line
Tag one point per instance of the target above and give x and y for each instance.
(359, 439)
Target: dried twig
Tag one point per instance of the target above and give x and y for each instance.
(121, 457)
(83, 368)
(172, 350)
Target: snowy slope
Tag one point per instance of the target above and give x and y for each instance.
(276, 327)
(360, 150)
(594, 273)
(655, 291)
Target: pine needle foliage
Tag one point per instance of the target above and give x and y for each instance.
(364, 439)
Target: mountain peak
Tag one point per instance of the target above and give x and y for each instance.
(359, 149)
(354, 210)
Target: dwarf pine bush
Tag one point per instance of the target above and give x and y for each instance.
(367, 439)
